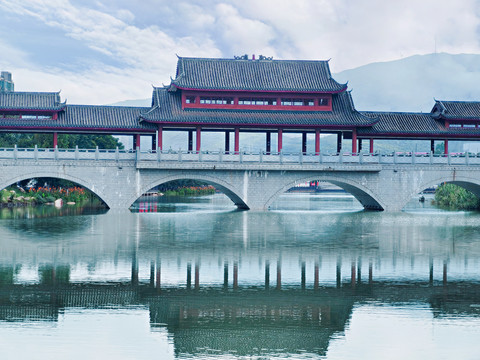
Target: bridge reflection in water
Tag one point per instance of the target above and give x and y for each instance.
(228, 285)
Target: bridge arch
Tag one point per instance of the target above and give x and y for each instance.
(469, 183)
(365, 196)
(40, 174)
(228, 189)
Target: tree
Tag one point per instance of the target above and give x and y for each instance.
(44, 140)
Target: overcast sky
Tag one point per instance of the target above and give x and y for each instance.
(104, 51)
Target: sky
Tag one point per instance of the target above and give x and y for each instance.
(105, 51)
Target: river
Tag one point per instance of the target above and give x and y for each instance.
(313, 278)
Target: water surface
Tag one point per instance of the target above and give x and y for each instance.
(315, 277)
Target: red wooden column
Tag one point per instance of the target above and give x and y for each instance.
(354, 141)
(371, 146)
(55, 139)
(279, 275)
(137, 141)
(160, 138)
(317, 142)
(280, 140)
(446, 147)
(199, 139)
(237, 141)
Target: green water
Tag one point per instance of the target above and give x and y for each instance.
(315, 277)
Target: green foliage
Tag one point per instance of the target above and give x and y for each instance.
(64, 141)
(191, 191)
(454, 197)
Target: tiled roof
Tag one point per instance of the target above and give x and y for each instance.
(410, 125)
(46, 101)
(457, 109)
(257, 75)
(168, 109)
(87, 117)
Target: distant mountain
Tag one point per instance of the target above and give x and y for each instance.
(412, 83)
(134, 103)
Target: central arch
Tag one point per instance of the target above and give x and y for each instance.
(228, 189)
(364, 195)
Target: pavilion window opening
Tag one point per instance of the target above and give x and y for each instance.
(190, 100)
(257, 101)
(215, 100)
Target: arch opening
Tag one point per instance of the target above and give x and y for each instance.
(186, 194)
(459, 194)
(62, 192)
(324, 194)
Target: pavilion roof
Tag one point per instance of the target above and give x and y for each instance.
(469, 110)
(86, 117)
(406, 124)
(44, 101)
(167, 108)
(255, 75)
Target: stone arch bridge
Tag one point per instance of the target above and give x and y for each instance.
(251, 181)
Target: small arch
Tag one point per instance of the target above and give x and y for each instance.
(468, 183)
(73, 179)
(368, 200)
(230, 191)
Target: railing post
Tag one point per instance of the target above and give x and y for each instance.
(35, 153)
(137, 153)
(394, 157)
(467, 161)
(56, 152)
(159, 154)
(340, 158)
(117, 154)
(320, 158)
(97, 154)
(431, 157)
(76, 152)
(281, 156)
(360, 158)
(200, 155)
(220, 156)
(15, 155)
(413, 157)
(180, 155)
(300, 157)
(241, 156)
(261, 156)
(449, 159)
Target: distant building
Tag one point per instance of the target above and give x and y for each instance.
(6, 83)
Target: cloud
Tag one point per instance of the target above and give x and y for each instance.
(120, 40)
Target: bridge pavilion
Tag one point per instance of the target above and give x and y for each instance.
(242, 95)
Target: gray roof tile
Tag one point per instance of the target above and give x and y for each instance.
(45, 101)
(258, 75)
(468, 110)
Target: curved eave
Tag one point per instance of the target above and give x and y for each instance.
(78, 129)
(45, 110)
(343, 87)
(253, 125)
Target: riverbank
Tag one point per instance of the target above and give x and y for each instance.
(16, 197)
(191, 191)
